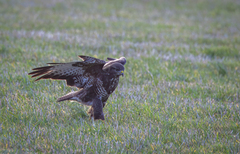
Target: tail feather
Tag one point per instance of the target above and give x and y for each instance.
(75, 95)
(69, 96)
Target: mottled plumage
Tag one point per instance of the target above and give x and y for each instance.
(95, 78)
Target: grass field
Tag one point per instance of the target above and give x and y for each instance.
(180, 92)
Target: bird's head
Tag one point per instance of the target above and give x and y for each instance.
(115, 69)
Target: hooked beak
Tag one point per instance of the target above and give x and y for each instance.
(120, 73)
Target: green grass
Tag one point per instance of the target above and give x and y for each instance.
(180, 92)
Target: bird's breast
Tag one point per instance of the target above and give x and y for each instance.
(112, 85)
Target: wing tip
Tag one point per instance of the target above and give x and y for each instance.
(37, 79)
(108, 58)
(82, 57)
(54, 63)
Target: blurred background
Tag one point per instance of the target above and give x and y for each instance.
(180, 92)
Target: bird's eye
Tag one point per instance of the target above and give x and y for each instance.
(117, 69)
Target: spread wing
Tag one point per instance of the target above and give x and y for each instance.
(75, 73)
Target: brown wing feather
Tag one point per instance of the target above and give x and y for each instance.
(58, 71)
(88, 59)
(75, 73)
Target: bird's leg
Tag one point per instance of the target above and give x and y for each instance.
(93, 121)
(90, 111)
(103, 104)
(97, 109)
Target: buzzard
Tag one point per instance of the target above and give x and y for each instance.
(96, 80)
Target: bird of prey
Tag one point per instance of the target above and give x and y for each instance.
(96, 80)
